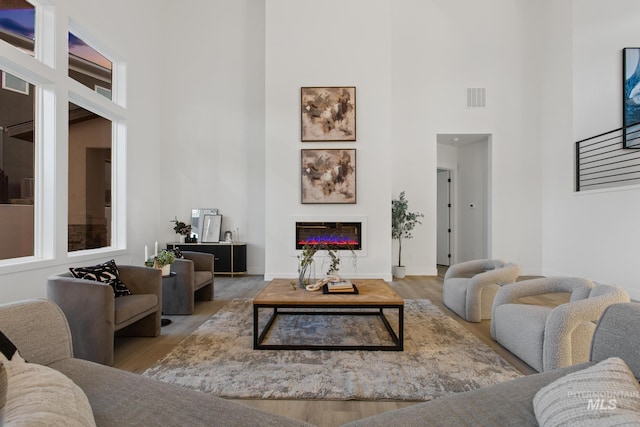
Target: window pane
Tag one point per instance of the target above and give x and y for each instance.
(89, 67)
(17, 23)
(89, 180)
(16, 167)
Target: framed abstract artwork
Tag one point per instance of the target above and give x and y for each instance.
(328, 113)
(631, 97)
(328, 176)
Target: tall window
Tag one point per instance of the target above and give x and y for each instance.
(89, 67)
(16, 168)
(89, 180)
(17, 24)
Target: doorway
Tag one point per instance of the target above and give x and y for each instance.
(463, 197)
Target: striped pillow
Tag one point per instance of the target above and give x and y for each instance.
(603, 394)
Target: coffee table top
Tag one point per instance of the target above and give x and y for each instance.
(371, 292)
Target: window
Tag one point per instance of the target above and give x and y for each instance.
(17, 24)
(36, 184)
(16, 169)
(89, 67)
(89, 180)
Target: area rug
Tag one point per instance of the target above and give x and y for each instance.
(440, 358)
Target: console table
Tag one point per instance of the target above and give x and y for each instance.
(230, 258)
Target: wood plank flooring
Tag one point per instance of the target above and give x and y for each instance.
(137, 354)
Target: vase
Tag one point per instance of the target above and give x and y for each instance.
(181, 238)
(307, 275)
(166, 270)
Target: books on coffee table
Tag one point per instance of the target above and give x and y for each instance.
(340, 286)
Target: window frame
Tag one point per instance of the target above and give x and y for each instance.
(54, 89)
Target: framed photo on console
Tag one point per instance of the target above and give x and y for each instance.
(328, 113)
(328, 176)
(211, 228)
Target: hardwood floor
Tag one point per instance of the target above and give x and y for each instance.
(137, 354)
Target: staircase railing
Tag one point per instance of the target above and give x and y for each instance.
(607, 160)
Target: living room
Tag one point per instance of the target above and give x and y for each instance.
(249, 74)
(210, 117)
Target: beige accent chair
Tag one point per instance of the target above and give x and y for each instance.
(95, 315)
(194, 282)
(548, 338)
(469, 287)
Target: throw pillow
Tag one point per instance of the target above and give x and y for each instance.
(103, 273)
(8, 350)
(177, 252)
(603, 394)
(37, 395)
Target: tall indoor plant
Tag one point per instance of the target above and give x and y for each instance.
(402, 224)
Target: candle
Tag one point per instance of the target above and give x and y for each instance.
(146, 253)
(156, 251)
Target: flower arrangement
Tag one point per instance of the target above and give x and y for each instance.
(180, 227)
(305, 259)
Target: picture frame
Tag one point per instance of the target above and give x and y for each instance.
(328, 113)
(328, 176)
(631, 97)
(211, 226)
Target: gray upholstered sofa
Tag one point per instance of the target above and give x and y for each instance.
(512, 403)
(39, 330)
(194, 282)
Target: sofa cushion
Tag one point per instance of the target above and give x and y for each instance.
(134, 307)
(37, 395)
(201, 278)
(103, 273)
(606, 393)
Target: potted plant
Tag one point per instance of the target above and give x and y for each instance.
(181, 229)
(402, 223)
(163, 261)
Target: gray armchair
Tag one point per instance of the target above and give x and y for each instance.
(194, 282)
(548, 338)
(469, 287)
(94, 315)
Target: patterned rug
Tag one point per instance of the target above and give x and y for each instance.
(440, 357)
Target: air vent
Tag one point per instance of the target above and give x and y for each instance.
(476, 97)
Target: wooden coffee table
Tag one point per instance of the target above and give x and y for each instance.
(374, 296)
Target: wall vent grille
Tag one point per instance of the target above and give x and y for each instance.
(476, 97)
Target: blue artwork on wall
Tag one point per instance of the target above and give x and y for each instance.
(631, 97)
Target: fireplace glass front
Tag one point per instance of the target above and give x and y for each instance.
(337, 235)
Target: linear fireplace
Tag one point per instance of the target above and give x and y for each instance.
(338, 235)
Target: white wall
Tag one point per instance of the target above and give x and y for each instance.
(440, 49)
(334, 44)
(213, 118)
(591, 234)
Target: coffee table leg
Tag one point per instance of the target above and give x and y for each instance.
(259, 337)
